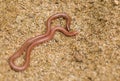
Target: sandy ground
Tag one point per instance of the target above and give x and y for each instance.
(92, 55)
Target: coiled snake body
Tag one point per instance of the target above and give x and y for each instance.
(32, 42)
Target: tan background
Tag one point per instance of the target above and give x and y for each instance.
(92, 55)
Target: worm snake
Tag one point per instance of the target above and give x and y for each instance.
(32, 42)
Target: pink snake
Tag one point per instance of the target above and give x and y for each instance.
(32, 42)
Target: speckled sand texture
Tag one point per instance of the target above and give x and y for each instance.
(92, 55)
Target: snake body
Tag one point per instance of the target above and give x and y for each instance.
(32, 42)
